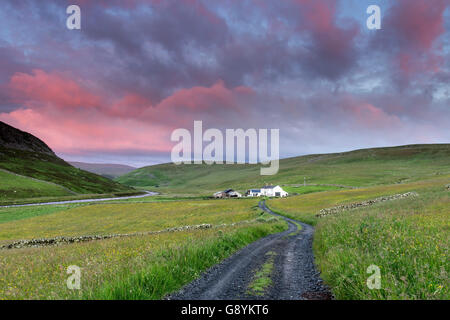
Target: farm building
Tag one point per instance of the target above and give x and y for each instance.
(273, 191)
(269, 191)
(229, 193)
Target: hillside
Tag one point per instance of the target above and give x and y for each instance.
(365, 167)
(13, 138)
(30, 169)
(107, 170)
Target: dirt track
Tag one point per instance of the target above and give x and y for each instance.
(294, 275)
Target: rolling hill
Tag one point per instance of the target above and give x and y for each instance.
(365, 167)
(107, 170)
(30, 169)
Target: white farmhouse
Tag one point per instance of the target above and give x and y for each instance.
(273, 191)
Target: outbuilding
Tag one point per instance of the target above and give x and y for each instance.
(273, 191)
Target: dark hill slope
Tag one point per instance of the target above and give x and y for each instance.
(11, 137)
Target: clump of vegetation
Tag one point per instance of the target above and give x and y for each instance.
(261, 280)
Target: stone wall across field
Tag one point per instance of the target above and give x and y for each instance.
(43, 242)
(66, 240)
(346, 207)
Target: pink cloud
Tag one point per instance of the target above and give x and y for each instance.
(41, 88)
(368, 116)
(417, 22)
(73, 119)
(411, 32)
(333, 51)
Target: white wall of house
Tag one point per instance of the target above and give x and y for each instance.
(276, 191)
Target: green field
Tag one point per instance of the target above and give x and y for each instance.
(137, 267)
(358, 168)
(14, 187)
(127, 218)
(14, 213)
(295, 190)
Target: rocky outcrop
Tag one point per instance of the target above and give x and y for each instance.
(11, 137)
(346, 207)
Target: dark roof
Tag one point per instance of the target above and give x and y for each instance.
(228, 190)
(255, 190)
(268, 187)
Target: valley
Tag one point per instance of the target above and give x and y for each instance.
(152, 246)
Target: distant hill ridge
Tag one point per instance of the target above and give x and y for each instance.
(108, 170)
(11, 137)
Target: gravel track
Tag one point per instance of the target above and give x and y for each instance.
(294, 276)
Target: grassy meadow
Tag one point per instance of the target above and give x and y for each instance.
(408, 239)
(140, 267)
(126, 218)
(19, 213)
(14, 187)
(295, 190)
(137, 267)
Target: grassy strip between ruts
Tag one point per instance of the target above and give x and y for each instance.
(141, 267)
(261, 280)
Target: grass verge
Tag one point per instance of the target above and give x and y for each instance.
(408, 239)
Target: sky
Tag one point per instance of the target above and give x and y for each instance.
(115, 90)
